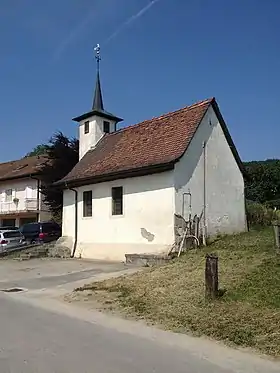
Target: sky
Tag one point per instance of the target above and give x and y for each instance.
(157, 56)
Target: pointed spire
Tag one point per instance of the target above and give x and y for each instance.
(97, 104)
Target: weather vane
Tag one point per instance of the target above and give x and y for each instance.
(97, 55)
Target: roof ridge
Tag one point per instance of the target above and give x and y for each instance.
(166, 115)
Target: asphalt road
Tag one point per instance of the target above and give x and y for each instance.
(34, 339)
(41, 333)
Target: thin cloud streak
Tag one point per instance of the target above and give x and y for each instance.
(129, 21)
(73, 35)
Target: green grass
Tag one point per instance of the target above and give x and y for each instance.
(172, 296)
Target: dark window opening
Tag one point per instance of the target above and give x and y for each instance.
(106, 127)
(49, 227)
(117, 201)
(87, 203)
(87, 126)
(8, 222)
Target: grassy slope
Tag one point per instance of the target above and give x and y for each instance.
(248, 314)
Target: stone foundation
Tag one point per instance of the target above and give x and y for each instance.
(62, 248)
(146, 260)
(180, 226)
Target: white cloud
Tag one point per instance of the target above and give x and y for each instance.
(130, 20)
(101, 8)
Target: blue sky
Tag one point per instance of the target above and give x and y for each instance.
(175, 53)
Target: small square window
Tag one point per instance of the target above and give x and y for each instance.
(87, 203)
(117, 201)
(87, 126)
(106, 127)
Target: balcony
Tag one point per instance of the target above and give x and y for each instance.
(24, 205)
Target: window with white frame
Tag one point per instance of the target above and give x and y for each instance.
(106, 126)
(8, 195)
(87, 203)
(117, 201)
(86, 128)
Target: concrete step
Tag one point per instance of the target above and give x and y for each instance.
(147, 260)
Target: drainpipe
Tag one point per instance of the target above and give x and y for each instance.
(76, 219)
(204, 194)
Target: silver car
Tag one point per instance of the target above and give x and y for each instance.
(11, 239)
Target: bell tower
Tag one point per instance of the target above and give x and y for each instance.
(94, 124)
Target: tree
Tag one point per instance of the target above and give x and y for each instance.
(38, 150)
(62, 155)
(262, 182)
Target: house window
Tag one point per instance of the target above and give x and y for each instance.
(9, 193)
(87, 126)
(87, 203)
(117, 201)
(106, 127)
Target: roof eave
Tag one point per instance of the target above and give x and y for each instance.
(228, 137)
(98, 113)
(141, 171)
(25, 176)
(186, 148)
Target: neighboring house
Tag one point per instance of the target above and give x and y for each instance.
(20, 198)
(129, 185)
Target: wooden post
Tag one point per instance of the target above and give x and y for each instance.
(211, 276)
(276, 235)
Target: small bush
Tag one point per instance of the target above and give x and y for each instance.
(272, 204)
(260, 215)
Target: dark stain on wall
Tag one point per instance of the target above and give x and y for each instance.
(148, 235)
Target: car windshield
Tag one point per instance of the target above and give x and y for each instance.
(11, 234)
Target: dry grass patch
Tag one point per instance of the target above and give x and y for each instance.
(248, 314)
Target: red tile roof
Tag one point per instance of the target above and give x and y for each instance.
(154, 142)
(21, 168)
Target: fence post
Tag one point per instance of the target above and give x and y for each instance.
(211, 276)
(276, 235)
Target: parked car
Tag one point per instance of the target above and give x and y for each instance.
(11, 239)
(9, 228)
(41, 232)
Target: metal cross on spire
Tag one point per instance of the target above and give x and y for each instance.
(97, 55)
